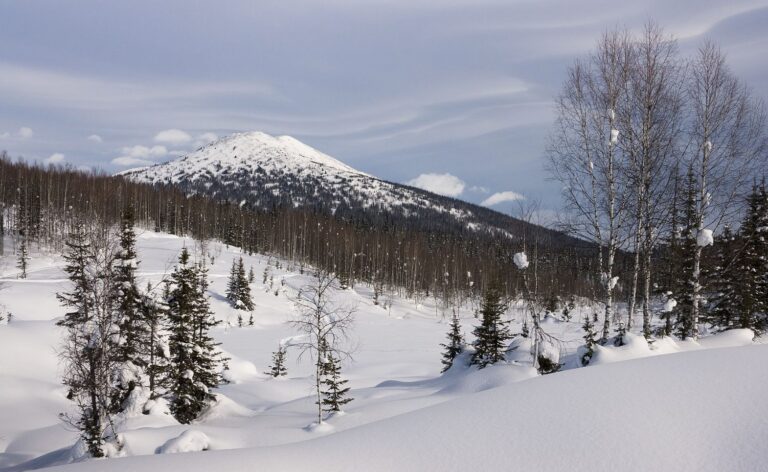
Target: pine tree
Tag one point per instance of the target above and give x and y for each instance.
(251, 276)
(589, 340)
(739, 278)
(132, 350)
(233, 288)
(238, 288)
(726, 299)
(154, 312)
(684, 310)
(492, 334)
(244, 288)
(334, 393)
(455, 345)
(754, 263)
(193, 370)
(278, 369)
(79, 258)
(89, 351)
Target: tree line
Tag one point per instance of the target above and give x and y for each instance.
(656, 153)
(41, 204)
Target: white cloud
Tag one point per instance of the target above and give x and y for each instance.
(130, 161)
(5, 135)
(501, 197)
(55, 158)
(143, 152)
(25, 133)
(95, 138)
(442, 184)
(173, 136)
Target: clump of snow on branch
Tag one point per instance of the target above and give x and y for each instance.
(520, 260)
(669, 305)
(708, 146)
(705, 238)
(609, 282)
(611, 114)
(614, 136)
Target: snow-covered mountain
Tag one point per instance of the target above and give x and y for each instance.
(258, 170)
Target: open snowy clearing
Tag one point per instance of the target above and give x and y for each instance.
(699, 410)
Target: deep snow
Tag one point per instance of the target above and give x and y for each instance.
(699, 410)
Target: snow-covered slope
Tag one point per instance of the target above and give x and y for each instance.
(260, 170)
(699, 410)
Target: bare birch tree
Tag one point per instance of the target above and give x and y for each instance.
(585, 157)
(325, 325)
(726, 141)
(651, 125)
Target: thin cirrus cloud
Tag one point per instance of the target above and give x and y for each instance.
(502, 197)
(441, 184)
(95, 138)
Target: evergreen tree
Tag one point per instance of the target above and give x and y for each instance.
(233, 288)
(684, 310)
(739, 278)
(726, 300)
(455, 344)
(334, 393)
(193, 368)
(754, 263)
(492, 334)
(589, 340)
(132, 351)
(154, 312)
(89, 351)
(244, 288)
(78, 258)
(238, 288)
(568, 308)
(251, 276)
(278, 369)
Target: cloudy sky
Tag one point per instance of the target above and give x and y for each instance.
(451, 95)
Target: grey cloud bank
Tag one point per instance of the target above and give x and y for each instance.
(397, 89)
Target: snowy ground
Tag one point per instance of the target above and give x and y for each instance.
(700, 410)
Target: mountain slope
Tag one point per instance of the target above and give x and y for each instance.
(257, 170)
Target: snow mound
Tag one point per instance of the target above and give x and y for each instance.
(224, 407)
(730, 338)
(321, 428)
(690, 412)
(188, 441)
(240, 370)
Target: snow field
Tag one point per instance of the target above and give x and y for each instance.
(404, 415)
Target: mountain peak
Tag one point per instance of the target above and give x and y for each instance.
(266, 150)
(263, 171)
